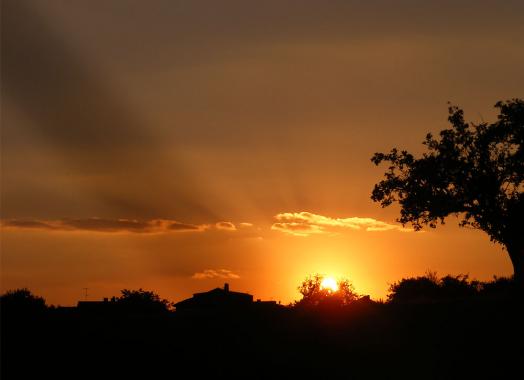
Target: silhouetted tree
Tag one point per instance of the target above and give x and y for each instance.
(430, 288)
(21, 302)
(475, 171)
(500, 286)
(415, 289)
(142, 300)
(314, 295)
(458, 286)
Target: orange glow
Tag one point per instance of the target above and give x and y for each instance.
(330, 284)
(259, 181)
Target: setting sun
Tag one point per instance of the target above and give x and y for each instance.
(330, 284)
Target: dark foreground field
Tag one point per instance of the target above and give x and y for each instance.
(445, 340)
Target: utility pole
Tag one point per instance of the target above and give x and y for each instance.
(85, 293)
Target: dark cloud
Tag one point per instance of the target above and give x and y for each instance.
(105, 225)
(177, 226)
(108, 225)
(120, 225)
(29, 224)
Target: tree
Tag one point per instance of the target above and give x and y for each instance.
(473, 171)
(414, 289)
(22, 302)
(430, 288)
(142, 300)
(313, 294)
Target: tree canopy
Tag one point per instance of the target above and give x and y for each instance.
(21, 301)
(313, 294)
(430, 288)
(473, 171)
(142, 300)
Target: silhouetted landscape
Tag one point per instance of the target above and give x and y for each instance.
(432, 328)
(282, 171)
(429, 327)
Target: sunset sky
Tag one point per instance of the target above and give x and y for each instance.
(178, 145)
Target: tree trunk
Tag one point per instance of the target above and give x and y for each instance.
(516, 254)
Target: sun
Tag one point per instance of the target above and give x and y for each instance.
(330, 284)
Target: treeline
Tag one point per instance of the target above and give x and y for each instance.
(427, 328)
(428, 288)
(23, 301)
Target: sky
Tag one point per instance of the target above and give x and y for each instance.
(178, 145)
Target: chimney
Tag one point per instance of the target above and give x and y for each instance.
(226, 287)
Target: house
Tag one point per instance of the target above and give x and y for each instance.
(218, 299)
(97, 307)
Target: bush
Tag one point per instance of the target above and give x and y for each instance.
(430, 288)
(142, 301)
(21, 302)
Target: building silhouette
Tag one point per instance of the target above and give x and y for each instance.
(107, 306)
(216, 299)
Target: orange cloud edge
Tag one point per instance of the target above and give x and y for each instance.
(306, 223)
(293, 223)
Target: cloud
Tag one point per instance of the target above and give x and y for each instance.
(119, 225)
(177, 226)
(215, 273)
(227, 226)
(15, 223)
(104, 225)
(306, 223)
(108, 225)
(298, 229)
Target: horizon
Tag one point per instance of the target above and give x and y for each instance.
(327, 282)
(175, 146)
